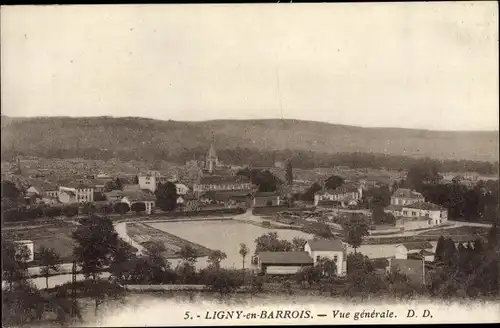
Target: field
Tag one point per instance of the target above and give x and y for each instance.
(55, 235)
(144, 234)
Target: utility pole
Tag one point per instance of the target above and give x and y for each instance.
(74, 305)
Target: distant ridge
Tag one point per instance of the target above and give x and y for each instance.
(32, 135)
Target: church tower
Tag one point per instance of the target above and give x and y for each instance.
(212, 160)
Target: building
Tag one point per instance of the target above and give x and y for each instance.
(212, 160)
(43, 188)
(99, 184)
(263, 199)
(75, 192)
(221, 183)
(228, 198)
(28, 245)
(114, 195)
(330, 249)
(404, 196)
(413, 269)
(182, 189)
(151, 180)
(343, 196)
(435, 214)
(131, 197)
(415, 250)
(282, 263)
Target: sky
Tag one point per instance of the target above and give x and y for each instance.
(411, 65)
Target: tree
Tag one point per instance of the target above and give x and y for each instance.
(9, 190)
(138, 207)
(118, 184)
(21, 304)
(289, 173)
(216, 257)
(243, 252)
(298, 244)
(123, 261)
(14, 262)
(423, 173)
(271, 243)
(89, 208)
(166, 195)
(188, 254)
(440, 249)
(381, 217)
(309, 194)
(49, 262)
(136, 180)
(355, 229)
(109, 185)
(96, 241)
(223, 281)
(264, 179)
(70, 211)
(334, 182)
(121, 208)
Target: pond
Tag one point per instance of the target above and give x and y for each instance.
(225, 236)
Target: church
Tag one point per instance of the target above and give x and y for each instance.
(215, 177)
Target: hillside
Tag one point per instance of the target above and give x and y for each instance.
(36, 136)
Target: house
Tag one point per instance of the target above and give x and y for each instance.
(98, 184)
(114, 195)
(330, 249)
(227, 197)
(262, 199)
(221, 183)
(151, 180)
(415, 250)
(182, 189)
(282, 263)
(413, 269)
(404, 196)
(345, 195)
(71, 192)
(434, 213)
(131, 197)
(43, 188)
(29, 245)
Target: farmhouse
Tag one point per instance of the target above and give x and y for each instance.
(404, 196)
(282, 263)
(330, 249)
(415, 250)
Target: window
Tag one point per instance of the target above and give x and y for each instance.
(335, 258)
(317, 258)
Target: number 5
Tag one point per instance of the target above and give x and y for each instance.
(186, 315)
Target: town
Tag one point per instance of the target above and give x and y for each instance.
(355, 232)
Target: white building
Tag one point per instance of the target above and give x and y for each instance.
(76, 193)
(182, 189)
(415, 250)
(330, 249)
(435, 213)
(345, 196)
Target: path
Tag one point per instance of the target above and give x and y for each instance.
(121, 230)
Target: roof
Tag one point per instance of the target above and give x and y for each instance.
(340, 190)
(328, 202)
(187, 197)
(426, 253)
(42, 185)
(99, 182)
(266, 194)
(69, 192)
(74, 184)
(215, 179)
(417, 245)
(114, 193)
(225, 195)
(140, 195)
(407, 193)
(425, 206)
(392, 207)
(326, 245)
(285, 258)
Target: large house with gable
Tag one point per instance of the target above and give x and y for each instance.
(343, 196)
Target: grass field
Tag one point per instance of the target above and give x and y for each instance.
(145, 234)
(56, 236)
(458, 231)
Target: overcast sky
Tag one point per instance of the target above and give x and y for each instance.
(415, 65)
